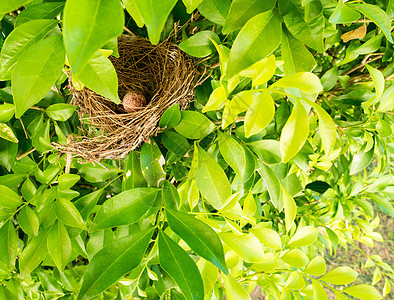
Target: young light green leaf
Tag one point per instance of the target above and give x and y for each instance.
(344, 14)
(68, 214)
(19, 40)
(151, 164)
(36, 71)
(273, 184)
(294, 133)
(217, 99)
(363, 292)
(88, 25)
(178, 264)
(200, 44)
(191, 5)
(7, 111)
(295, 55)
(99, 75)
(113, 261)
(378, 81)
(295, 281)
(295, 258)
(290, 208)
(268, 237)
(132, 9)
(8, 246)
(303, 237)
(60, 111)
(215, 10)
(7, 133)
(47, 10)
(306, 82)
(259, 114)
(378, 16)
(316, 267)
(318, 291)
(155, 14)
(59, 245)
(10, 5)
(247, 246)
(28, 221)
(262, 71)
(125, 208)
(171, 117)
(211, 180)
(267, 150)
(234, 290)
(200, 237)
(340, 275)
(361, 160)
(240, 103)
(262, 32)
(194, 125)
(386, 101)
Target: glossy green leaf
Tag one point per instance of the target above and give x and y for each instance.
(247, 246)
(378, 81)
(86, 204)
(343, 14)
(68, 214)
(295, 55)
(151, 164)
(47, 10)
(290, 208)
(308, 32)
(234, 290)
(97, 172)
(200, 237)
(241, 11)
(295, 258)
(7, 111)
(155, 14)
(60, 111)
(88, 25)
(260, 36)
(200, 44)
(294, 132)
(9, 198)
(175, 142)
(132, 9)
(217, 99)
(215, 11)
(363, 292)
(194, 125)
(240, 103)
(171, 117)
(36, 71)
(8, 246)
(386, 101)
(318, 291)
(99, 75)
(191, 5)
(42, 139)
(267, 150)
(259, 114)
(268, 237)
(178, 264)
(303, 237)
(59, 245)
(340, 275)
(361, 160)
(19, 41)
(10, 5)
(273, 184)
(329, 79)
(378, 16)
(66, 181)
(28, 221)
(7, 133)
(8, 151)
(113, 261)
(170, 195)
(316, 267)
(133, 177)
(262, 71)
(125, 208)
(306, 82)
(211, 180)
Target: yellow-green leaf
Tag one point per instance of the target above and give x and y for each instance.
(295, 258)
(306, 82)
(267, 236)
(303, 237)
(217, 99)
(363, 292)
(316, 266)
(247, 246)
(340, 275)
(262, 71)
(234, 290)
(290, 208)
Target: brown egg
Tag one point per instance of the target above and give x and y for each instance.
(133, 101)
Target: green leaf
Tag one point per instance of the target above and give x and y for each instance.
(295, 55)
(295, 281)
(66, 181)
(133, 177)
(308, 32)
(10, 5)
(303, 237)
(28, 221)
(215, 10)
(318, 291)
(363, 292)
(68, 214)
(306, 82)
(267, 150)
(268, 237)
(273, 184)
(9, 199)
(361, 160)
(217, 99)
(171, 117)
(234, 290)
(259, 114)
(60, 111)
(343, 14)
(178, 264)
(378, 16)
(247, 246)
(132, 9)
(242, 11)
(340, 276)
(294, 133)
(175, 142)
(199, 236)
(88, 25)
(8, 246)
(99, 75)
(386, 101)
(151, 164)
(125, 208)
(200, 44)
(47, 10)
(260, 36)
(59, 245)
(7, 111)
(240, 103)
(97, 173)
(191, 5)
(42, 139)
(211, 180)
(36, 71)
(8, 151)
(316, 267)
(378, 81)
(7, 133)
(262, 71)
(329, 79)
(86, 204)
(326, 127)
(295, 258)
(155, 14)
(113, 261)
(290, 208)
(194, 125)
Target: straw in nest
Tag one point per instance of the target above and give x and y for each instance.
(162, 73)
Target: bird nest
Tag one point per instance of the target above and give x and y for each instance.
(162, 73)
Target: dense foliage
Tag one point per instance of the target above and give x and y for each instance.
(284, 156)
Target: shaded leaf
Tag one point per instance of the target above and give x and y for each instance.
(200, 44)
(59, 245)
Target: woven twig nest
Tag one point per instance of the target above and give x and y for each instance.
(161, 73)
